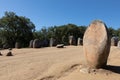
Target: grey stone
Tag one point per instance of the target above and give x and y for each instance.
(31, 44)
(45, 43)
(79, 41)
(114, 41)
(36, 43)
(118, 44)
(17, 45)
(60, 46)
(51, 42)
(72, 40)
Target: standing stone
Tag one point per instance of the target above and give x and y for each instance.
(72, 40)
(36, 43)
(79, 42)
(17, 45)
(114, 41)
(118, 44)
(96, 44)
(31, 44)
(45, 43)
(51, 42)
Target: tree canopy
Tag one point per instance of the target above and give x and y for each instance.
(14, 28)
(61, 33)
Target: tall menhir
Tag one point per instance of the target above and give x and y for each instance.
(96, 44)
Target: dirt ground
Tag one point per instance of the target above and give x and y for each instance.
(55, 64)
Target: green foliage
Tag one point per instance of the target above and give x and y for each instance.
(114, 32)
(15, 28)
(61, 33)
(111, 31)
(118, 33)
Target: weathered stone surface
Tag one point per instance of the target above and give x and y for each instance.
(45, 43)
(96, 44)
(31, 44)
(51, 42)
(114, 41)
(60, 46)
(118, 44)
(72, 40)
(9, 54)
(79, 41)
(17, 45)
(36, 43)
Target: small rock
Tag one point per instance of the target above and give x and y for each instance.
(9, 54)
(10, 48)
(60, 46)
(0, 54)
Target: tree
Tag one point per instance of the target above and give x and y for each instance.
(60, 33)
(15, 28)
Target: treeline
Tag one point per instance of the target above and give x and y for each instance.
(61, 33)
(19, 30)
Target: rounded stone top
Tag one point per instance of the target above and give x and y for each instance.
(98, 22)
(115, 37)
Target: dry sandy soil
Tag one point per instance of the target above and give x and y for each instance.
(55, 64)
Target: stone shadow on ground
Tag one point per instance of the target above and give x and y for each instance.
(115, 69)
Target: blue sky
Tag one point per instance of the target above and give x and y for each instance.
(46, 13)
